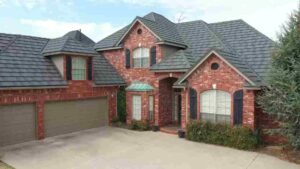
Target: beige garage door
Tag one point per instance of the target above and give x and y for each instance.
(17, 123)
(70, 116)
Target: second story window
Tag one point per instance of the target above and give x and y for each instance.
(79, 68)
(141, 58)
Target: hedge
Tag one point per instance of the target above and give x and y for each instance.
(139, 125)
(220, 134)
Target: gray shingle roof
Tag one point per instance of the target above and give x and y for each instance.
(22, 63)
(178, 61)
(74, 41)
(254, 47)
(235, 37)
(105, 73)
(161, 26)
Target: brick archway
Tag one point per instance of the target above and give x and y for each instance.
(166, 101)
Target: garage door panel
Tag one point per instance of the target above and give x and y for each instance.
(17, 123)
(70, 116)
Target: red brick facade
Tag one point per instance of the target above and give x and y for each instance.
(117, 58)
(76, 90)
(225, 79)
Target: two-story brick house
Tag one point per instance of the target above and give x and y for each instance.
(173, 73)
(190, 70)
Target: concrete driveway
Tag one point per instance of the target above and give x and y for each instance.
(114, 148)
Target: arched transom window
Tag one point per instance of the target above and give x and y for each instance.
(215, 106)
(141, 57)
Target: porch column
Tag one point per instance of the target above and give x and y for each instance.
(249, 109)
(184, 108)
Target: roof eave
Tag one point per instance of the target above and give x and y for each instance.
(109, 85)
(184, 77)
(69, 53)
(168, 70)
(33, 87)
(171, 44)
(109, 48)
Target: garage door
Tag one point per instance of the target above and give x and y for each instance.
(17, 123)
(70, 116)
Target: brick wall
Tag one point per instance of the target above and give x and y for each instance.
(76, 90)
(225, 79)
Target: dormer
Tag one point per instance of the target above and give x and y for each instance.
(72, 55)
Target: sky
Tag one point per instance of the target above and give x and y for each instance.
(100, 18)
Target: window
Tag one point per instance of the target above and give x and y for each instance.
(215, 66)
(136, 107)
(78, 68)
(151, 100)
(215, 106)
(141, 58)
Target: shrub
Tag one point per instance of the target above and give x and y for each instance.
(139, 125)
(237, 137)
(121, 104)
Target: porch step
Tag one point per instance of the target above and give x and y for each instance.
(168, 130)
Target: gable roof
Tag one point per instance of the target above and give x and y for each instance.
(162, 28)
(72, 42)
(231, 59)
(234, 37)
(179, 61)
(22, 64)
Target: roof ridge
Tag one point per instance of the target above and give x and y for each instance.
(225, 45)
(8, 45)
(20, 35)
(234, 20)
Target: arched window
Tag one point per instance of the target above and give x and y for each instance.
(141, 57)
(215, 106)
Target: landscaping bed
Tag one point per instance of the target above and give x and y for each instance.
(221, 134)
(285, 153)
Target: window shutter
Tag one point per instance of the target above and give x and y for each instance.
(69, 67)
(153, 55)
(193, 103)
(127, 58)
(90, 68)
(238, 107)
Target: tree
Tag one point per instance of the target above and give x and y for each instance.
(281, 98)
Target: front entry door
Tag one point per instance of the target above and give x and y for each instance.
(177, 108)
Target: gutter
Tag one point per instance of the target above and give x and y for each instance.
(111, 48)
(24, 88)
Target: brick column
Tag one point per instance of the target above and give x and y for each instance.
(184, 118)
(249, 109)
(40, 104)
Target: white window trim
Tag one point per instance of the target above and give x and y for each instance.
(138, 54)
(215, 103)
(136, 115)
(84, 68)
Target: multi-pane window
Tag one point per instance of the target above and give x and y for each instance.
(141, 58)
(151, 100)
(136, 107)
(78, 68)
(215, 106)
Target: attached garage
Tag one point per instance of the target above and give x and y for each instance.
(17, 123)
(69, 116)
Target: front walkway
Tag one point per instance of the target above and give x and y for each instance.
(113, 148)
